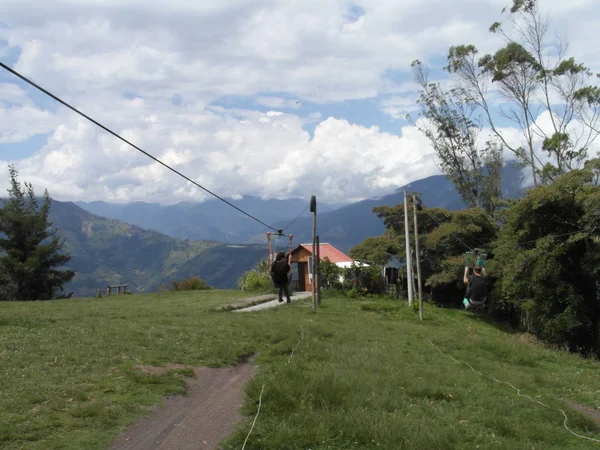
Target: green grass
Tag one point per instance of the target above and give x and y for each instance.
(363, 375)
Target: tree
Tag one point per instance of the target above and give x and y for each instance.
(534, 76)
(30, 251)
(444, 238)
(449, 121)
(547, 258)
(376, 250)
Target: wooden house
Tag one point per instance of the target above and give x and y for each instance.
(302, 263)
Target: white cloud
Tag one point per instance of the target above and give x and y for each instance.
(278, 102)
(94, 52)
(264, 154)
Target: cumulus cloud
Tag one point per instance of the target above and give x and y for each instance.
(153, 72)
(232, 153)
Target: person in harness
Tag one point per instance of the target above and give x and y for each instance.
(280, 274)
(477, 284)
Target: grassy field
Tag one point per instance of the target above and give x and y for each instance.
(363, 374)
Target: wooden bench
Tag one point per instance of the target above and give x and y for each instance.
(118, 287)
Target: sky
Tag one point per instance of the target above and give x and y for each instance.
(270, 98)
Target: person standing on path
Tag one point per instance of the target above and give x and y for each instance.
(280, 274)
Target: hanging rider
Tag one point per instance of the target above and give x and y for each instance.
(477, 285)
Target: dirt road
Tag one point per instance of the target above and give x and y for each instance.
(199, 420)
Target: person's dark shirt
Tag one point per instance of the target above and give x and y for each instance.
(478, 287)
(279, 271)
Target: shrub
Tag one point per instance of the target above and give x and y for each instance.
(257, 280)
(363, 280)
(190, 284)
(330, 274)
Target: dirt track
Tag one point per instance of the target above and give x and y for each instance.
(199, 420)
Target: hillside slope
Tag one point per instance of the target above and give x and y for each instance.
(350, 225)
(106, 251)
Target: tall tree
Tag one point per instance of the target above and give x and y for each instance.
(451, 124)
(534, 76)
(30, 251)
(547, 261)
(444, 237)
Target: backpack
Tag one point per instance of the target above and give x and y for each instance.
(280, 271)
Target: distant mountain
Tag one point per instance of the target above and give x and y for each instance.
(212, 220)
(106, 251)
(350, 225)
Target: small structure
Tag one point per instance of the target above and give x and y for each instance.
(302, 258)
(118, 287)
(391, 270)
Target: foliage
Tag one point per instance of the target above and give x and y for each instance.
(360, 280)
(257, 279)
(376, 250)
(547, 259)
(190, 284)
(31, 257)
(449, 122)
(444, 237)
(535, 77)
(330, 274)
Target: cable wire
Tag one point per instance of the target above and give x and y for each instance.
(22, 77)
(299, 215)
(518, 393)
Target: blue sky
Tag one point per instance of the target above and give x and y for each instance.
(317, 88)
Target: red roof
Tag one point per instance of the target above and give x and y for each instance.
(327, 250)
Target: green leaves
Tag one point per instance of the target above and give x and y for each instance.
(511, 60)
(453, 131)
(30, 253)
(459, 56)
(535, 78)
(546, 258)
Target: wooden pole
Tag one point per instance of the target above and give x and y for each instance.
(408, 256)
(318, 271)
(313, 209)
(417, 258)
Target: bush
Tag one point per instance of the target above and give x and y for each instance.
(190, 284)
(257, 280)
(330, 274)
(363, 280)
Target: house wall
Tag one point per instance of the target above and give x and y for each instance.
(301, 258)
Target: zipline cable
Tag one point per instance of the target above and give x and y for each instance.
(27, 80)
(290, 224)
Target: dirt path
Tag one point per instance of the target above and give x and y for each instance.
(199, 420)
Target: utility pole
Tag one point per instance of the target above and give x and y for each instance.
(409, 276)
(313, 209)
(418, 258)
(318, 271)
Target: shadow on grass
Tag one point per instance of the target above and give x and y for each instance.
(501, 324)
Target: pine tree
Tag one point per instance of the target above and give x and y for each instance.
(30, 251)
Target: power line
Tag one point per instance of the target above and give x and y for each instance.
(22, 77)
(290, 224)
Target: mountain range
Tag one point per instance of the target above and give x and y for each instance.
(148, 245)
(343, 226)
(210, 220)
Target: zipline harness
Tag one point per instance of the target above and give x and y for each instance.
(478, 256)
